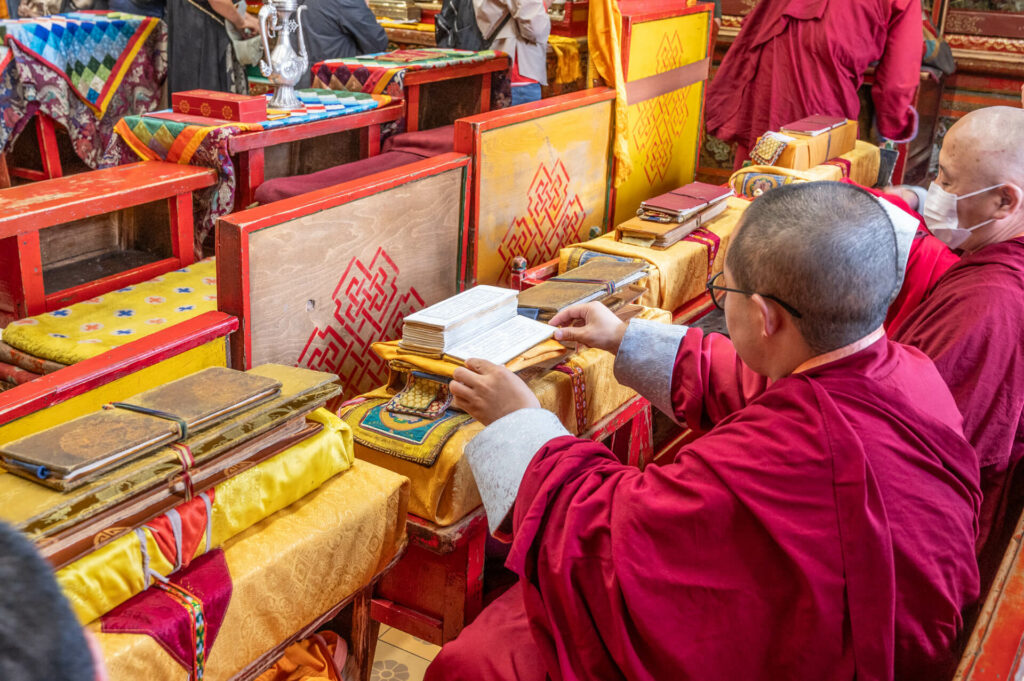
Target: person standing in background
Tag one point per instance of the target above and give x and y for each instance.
(336, 29)
(795, 58)
(200, 55)
(524, 37)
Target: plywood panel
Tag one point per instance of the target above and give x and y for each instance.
(543, 184)
(324, 286)
(664, 130)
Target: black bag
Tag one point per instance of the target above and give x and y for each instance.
(455, 27)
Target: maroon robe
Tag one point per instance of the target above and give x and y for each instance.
(793, 58)
(823, 529)
(971, 326)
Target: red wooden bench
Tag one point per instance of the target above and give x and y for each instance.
(71, 238)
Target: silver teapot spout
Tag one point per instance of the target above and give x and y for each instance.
(282, 65)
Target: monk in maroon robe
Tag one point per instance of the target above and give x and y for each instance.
(972, 324)
(794, 58)
(823, 527)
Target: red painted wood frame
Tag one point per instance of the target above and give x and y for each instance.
(415, 78)
(995, 650)
(575, 21)
(992, 24)
(46, 138)
(248, 148)
(233, 291)
(27, 209)
(639, 11)
(468, 140)
(437, 588)
(133, 356)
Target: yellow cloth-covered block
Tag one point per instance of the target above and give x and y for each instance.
(806, 152)
(286, 571)
(446, 492)
(680, 272)
(107, 577)
(92, 327)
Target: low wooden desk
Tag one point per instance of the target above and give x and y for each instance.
(248, 148)
(414, 79)
(68, 239)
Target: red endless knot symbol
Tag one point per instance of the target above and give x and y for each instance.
(553, 219)
(368, 307)
(661, 119)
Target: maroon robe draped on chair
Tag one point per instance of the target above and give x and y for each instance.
(822, 529)
(971, 326)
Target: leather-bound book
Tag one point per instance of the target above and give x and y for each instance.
(597, 279)
(73, 453)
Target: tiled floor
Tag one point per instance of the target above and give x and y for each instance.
(401, 657)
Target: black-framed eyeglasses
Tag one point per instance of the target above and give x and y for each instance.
(714, 290)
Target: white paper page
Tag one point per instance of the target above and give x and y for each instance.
(466, 304)
(504, 342)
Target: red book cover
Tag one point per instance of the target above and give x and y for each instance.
(813, 125)
(675, 203)
(226, 106)
(709, 193)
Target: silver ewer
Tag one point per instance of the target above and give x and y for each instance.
(283, 66)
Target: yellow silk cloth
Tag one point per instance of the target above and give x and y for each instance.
(863, 161)
(311, 659)
(92, 327)
(100, 581)
(604, 47)
(446, 492)
(680, 272)
(286, 571)
(567, 59)
(542, 352)
(391, 23)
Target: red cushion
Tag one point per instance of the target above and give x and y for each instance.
(286, 187)
(426, 143)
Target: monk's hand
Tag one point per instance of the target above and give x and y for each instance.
(591, 324)
(488, 391)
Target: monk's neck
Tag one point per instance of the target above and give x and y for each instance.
(840, 353)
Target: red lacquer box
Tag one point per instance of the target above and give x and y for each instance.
(225, 106)
(574, 19)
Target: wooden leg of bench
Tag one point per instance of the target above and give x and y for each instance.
(464, 583)
(412, 108)
(485, 92)
(5, 177)
(21, 273)
(46, 134)
(182, 228)
(365, 630)
(369, 141)
(635, 444)
(250, 177)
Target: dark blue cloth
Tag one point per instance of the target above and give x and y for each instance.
(525, 93)
(336, 29)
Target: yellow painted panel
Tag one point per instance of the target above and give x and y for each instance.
(210, 354)
(666, 44)
(543, 184)
(663, 131)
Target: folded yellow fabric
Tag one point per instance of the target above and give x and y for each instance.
(105, 578)
(286, 571)
(805, 152)
(680, 271)
(567, 59)
(542, 352)
(92, 327)
(446, 492)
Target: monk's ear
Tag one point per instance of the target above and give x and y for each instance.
(768, 314)
(1011, 200)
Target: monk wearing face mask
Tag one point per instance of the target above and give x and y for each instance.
(971, 323)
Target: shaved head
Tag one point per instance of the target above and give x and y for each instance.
(987, 145)
(826, 248)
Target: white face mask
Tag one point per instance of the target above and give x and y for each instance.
(941, 216)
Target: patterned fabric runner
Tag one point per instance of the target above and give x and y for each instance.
(151, 137)
(91, 51)
(183, 615)
(30, 84)
(384, 73)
